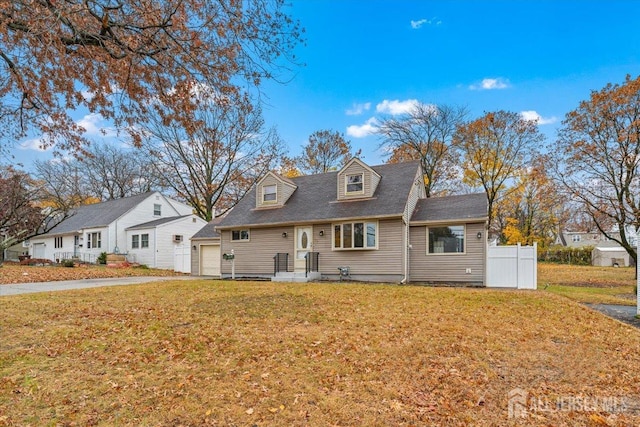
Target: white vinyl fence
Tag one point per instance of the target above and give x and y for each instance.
(182, 259)
(512, 266)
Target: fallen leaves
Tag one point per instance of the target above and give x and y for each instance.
(10, 274)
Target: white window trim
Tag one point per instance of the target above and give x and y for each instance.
(346, 184)
(148, 241)
(464, 243)
(269, 202)
(364, 248)
(137, 242)
(159, 209)
(240, 231)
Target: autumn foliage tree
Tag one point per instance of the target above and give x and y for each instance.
(20, 216)
(117, 58)
(425, 134)
(495, 148)
(215, 166)
(326, 150)
(599, 151)
(532, 208)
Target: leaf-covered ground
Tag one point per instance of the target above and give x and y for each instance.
(30, 274)
(258, 353)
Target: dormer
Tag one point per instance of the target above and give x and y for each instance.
(356, 180)
(273, 191)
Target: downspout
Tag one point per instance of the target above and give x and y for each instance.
(155, 248)
(406, 253)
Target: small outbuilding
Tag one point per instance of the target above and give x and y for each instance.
(607, 254)
(205, 251)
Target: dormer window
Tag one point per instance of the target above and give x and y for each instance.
(355, 183)
(269, 193)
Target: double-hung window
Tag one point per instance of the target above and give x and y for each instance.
(446, 239)
(135, 241)
(94, 240)
(144, 240)
(355, 183)
(157, 209)
(269, 193)
(355, 235)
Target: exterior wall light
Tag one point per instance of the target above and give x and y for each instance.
(479, 235)
(321, 233)
(284, 234)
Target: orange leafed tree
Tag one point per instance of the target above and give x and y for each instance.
(326, 150)
(126, 60)
(495, 147)
(598, 149)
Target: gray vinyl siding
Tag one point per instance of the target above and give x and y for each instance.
(370, 181)
(387, 260)
(255, 256)
(445, 268)
(283, 191)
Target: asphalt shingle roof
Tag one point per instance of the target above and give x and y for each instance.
(448, 208)
(208, 231)
(315, 199)
(98, 214)
(155, 222)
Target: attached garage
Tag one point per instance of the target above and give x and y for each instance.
(205, 251)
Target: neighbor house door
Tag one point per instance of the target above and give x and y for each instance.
(304, 245)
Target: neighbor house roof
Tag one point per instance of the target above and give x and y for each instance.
(208, 231)
(315, 199)
(98, 214)
(156, 222)
(449, 208)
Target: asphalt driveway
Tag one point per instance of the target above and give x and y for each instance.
(623, 313)
(65, 285)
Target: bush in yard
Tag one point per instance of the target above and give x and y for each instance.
(102, 259)
(562, 255)
(68, 263)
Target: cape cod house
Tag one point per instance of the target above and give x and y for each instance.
(149, 228)
(367, 223)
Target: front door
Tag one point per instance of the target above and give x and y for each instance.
(304, 245)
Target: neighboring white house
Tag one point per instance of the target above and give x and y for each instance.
(110, 226)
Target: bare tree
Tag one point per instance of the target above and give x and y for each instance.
(115, 58)
(213, 167)
(598, 149)
(495, 148)
(326, 150)
(425, 134)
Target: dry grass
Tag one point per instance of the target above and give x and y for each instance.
(587, 284)
(256, 353)
(10, 274)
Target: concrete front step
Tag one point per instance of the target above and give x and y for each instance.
(291, 276)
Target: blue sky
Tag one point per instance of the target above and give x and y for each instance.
(367, 58)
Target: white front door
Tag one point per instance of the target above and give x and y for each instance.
(304, 245)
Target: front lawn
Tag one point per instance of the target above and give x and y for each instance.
(257, 353)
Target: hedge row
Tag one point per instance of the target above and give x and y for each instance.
(562, 255)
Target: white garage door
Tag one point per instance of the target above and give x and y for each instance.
(210, 260)
(38, 250)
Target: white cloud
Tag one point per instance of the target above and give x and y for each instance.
(94, 125)
(396, 107)
(360, 131)
(33, 144)
(534, 116)
(416, 25)
(490, 84)
(358, 109)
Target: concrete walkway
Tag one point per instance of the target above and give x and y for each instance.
(623, 313)
(65, 285)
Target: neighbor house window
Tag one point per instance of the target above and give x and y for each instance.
(240, 235)
(57, 242)
(269, 193)
(355, 183)
(144, 240)
(355, 235)
(157, 209)
(135, 241)
(94, 240)
(446, 240)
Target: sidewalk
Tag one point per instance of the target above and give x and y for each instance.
(65, 285)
